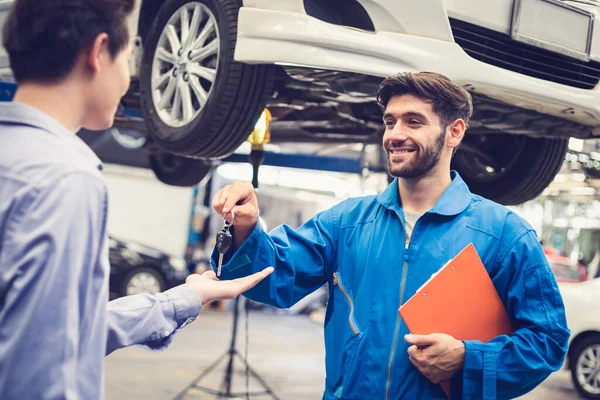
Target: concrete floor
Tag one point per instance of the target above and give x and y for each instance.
(287, 351)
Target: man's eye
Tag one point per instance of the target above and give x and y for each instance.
(389, 122)
(414, 122)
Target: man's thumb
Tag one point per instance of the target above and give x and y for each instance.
(419, 340)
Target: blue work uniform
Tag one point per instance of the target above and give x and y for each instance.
(360, 248)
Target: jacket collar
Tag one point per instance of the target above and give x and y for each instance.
(22, 114)
(454, 200)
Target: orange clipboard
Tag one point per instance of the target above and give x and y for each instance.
(459, 300)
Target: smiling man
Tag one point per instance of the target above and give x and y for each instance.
(376, 251)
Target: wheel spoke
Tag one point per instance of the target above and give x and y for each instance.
(587, 362)
(198, 90)
(590, 356)
(176, 109)
(168, 94)
(206, 31)
(186, 101)
(203, 72)
(171, 34)
(208, 50)
(161, 80)
(586, 370)
(196, 19)
(165, 56)
(185, 25)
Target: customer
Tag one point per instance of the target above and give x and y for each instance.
(69, 58)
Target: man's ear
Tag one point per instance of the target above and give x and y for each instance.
(456, 132)
(97, 53)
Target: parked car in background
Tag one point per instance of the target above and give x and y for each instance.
(566, 270)
(582, 306)
(135, 269)
(203, 71)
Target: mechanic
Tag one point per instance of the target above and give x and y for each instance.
(376, 251)
(70, 60)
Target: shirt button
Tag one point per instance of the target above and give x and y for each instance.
(167, 333)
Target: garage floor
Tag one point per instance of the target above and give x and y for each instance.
(287, 351)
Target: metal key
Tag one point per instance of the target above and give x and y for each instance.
(224, 239)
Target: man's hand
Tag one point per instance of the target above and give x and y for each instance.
(240, 199)
(210, 289)
(436, 356)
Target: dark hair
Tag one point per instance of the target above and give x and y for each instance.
(44, 38)
(449, 101)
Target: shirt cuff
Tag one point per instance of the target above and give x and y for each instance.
(186, 303)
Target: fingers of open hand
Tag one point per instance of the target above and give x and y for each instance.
(248, 282)
(210, 274)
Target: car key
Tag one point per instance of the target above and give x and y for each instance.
(223, 243)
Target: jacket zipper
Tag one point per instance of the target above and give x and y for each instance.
(403, 282)
(337, 283)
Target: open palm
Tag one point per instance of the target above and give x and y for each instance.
(209, 288)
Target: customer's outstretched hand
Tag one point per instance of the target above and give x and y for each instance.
(209, 288)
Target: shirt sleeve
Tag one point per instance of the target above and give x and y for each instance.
(510, 366)
(151, 321)
(49, 255)
(298, 256)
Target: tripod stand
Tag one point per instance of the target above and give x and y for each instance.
(229, 355)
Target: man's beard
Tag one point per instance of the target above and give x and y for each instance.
(421, 163)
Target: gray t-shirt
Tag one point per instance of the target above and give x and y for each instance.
(410, 219)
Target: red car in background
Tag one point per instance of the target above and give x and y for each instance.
(563, 268)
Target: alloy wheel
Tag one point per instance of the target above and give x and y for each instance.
(185, 65)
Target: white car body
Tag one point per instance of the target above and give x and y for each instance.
(410, 36)
(582, 306)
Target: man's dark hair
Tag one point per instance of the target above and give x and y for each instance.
(449, 101)
(44, 38)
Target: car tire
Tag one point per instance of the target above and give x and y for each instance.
(577, 355)
(176, 170)
(523, 166)
(232, 102)
(138, 279)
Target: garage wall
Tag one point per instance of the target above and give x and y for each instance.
(144, 210)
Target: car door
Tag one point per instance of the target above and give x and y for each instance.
(4, 64)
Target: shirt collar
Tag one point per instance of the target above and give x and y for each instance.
(455, 199)
(23, 114)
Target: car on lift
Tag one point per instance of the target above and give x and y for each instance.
(203, 71)
(582, 307)
(138, 269)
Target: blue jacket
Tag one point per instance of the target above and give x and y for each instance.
(360, 248)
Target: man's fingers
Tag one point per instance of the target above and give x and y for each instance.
(238, 194)
(248, 282)
(412, 351)
(210, 275)
(219, 200)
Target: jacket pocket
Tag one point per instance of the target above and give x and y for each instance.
(343, 337)
(351, 320)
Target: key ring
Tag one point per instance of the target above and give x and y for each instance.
(226, 223)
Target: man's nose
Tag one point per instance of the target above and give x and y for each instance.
(397, 133)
